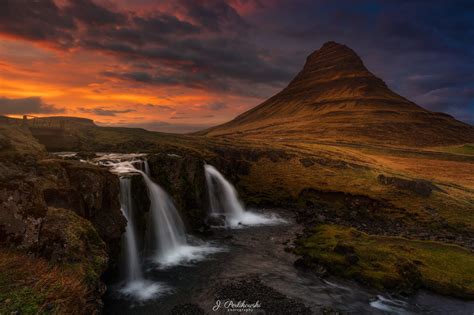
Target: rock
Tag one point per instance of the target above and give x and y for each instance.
(307, 162)
(321, 218)
(182, 176)
(86, 155)
(410, 275)
(218, 220)
(418, 186)
(343, 249)
(351, 258)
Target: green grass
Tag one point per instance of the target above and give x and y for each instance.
(393, 263)
(467, 149)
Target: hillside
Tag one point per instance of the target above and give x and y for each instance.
(336, 98)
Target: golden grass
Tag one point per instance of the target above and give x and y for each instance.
(447, 269)
(31, 285)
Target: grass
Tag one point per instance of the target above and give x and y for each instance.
(32, 285)
(391, 262)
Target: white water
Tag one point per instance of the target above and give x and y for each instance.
(135, 285)
(130, 254)
(224, 201)
(169, 243)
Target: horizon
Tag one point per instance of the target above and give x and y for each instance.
(184, 67)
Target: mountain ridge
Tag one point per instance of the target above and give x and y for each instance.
(336, 97)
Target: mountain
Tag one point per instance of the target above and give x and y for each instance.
(336, 98)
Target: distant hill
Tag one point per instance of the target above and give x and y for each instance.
(336, 98)
(53, 122)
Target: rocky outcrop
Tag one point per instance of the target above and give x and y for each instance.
(418, 186)
(66, 212)
(182, 176)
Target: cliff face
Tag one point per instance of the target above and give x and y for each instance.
(182, 176)
(335, 97)
(64, 212)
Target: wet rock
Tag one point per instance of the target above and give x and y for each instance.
(307, 263)
(86, 155)
(182, 176)
(216, 220)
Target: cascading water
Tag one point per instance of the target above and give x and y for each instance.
(168, 241)
(224, 201)
(168, 228)
(135, 285)
(130, 257)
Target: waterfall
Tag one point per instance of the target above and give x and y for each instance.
(130, 258)
(135, 285)
(225, 201)
(168, 228)
(167, 239)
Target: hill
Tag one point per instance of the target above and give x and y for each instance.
(336, 98)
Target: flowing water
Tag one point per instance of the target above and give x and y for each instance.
(259, 250)
(130, 259)
(181, 270)
(224, 201)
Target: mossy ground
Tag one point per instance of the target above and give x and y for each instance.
(392, 262)
(32, 285)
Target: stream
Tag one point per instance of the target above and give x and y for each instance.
(259, 250)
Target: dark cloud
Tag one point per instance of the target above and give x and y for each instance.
(100, 111)
(421, 48)
(92, 14)
(39, 20)
(28, 105)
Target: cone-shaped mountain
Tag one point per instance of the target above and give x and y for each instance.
(335, 97)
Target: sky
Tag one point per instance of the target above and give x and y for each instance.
(181, 66)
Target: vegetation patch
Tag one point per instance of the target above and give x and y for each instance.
(30, 285)
(391, 262)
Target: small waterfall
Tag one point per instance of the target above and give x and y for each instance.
(168, 228)
(135, 285)
(130, 258)
(225, 201)
(223, 196)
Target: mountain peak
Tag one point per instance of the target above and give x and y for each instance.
(335, 97)
(332, 53)
(333, 61)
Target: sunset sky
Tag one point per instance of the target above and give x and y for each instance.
(180, 66)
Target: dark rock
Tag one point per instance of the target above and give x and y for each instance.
(307, 263)
(418, 186)
(343, 249)
(182, 176)
(351, 258)
(214, 220)
(307, 162)
(410, 275)
(86, 155)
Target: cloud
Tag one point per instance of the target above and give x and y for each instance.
(100, 111)
(28, 105)
(215, 106)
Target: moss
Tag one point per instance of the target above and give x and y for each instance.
(391, 262)
(24, 300)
